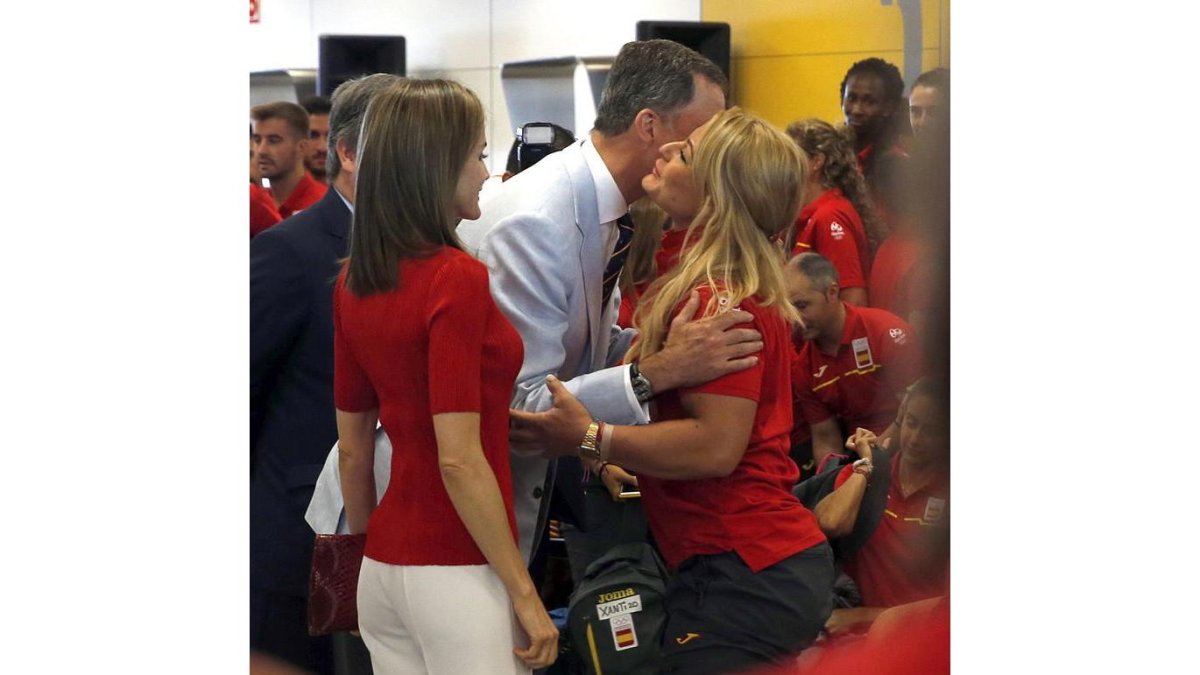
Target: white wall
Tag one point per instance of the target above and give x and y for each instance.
(467, 40)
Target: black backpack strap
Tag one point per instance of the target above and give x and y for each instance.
(813, 489)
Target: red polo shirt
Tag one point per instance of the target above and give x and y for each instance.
(892, 567)
(308, 192)
(263, 213)
(665, 260)
(751, 511)
(901, 278)
(861, 385)
(832, 227)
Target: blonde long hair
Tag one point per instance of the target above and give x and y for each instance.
(750, 177)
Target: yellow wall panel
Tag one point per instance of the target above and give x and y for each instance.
(786, 88)
(789, 56)
(783, 27)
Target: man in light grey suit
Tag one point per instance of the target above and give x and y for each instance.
(547, 238)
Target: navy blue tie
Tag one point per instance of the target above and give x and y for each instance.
(617, 260)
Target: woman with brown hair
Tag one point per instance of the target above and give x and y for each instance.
(752, 573)
(838, 220)
(420, 347)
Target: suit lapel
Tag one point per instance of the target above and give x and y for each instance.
(591, 257)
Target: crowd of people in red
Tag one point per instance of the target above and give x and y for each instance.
(774, 366)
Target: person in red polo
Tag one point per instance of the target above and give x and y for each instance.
(854, 362)
(904, 560)
(872, 95)
(280, 144)
(837, 220)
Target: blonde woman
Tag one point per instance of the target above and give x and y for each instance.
(752, 573)
(420, 346)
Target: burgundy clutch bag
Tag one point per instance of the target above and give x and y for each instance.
(333, 584)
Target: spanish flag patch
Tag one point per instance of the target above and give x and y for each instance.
(624, 636)
(862, 353)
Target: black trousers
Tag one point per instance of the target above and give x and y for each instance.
(723, 618)
(279, 627)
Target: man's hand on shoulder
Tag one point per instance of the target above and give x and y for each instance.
(699, 351)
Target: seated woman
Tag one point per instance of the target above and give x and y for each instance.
(906, 557)
(838, 220)
(752, 573)
(420, 346)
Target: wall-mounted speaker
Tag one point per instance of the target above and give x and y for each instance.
(710, 38)
(345, 57)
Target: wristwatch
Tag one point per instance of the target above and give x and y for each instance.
(641, 386)
(588, 449)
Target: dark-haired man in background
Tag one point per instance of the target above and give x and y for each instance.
(872, 95)
(280, 138)
(554, 239)
(318, 108)
(292, 422)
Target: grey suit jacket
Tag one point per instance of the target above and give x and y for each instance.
(541, 240)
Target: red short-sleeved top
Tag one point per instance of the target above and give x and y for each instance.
(665, 259)
(831, 226)
(900, 282)
(877, 358)
(263, 213)
(892, 567)
(435, 344)
(306, 193)
(751, 511)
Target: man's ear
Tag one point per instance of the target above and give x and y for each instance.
(646, 124)
(345, 155)
(833, 293)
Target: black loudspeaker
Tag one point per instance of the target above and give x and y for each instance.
(345, 57)
(710, 38)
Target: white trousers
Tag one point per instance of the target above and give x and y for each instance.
(437, 620)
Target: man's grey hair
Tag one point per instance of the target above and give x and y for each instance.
(350, 102)
(654, 74)
(819, 270)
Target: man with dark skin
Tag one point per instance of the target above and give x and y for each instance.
(872, 93)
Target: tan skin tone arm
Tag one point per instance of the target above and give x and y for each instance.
(699, 351)
(708, 443)
(356, 465)
(473, 490)
(837, 512)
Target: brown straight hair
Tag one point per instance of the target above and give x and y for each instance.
(416, 138)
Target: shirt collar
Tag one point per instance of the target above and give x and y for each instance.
(852, 320)
(343, 198)
(611, 204)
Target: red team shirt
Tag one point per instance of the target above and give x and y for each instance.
(308, 192)
(888, 567)
(832, 227)
(751, 511)
(263, 213)
(435, 344)
(861, 385)
(900, 276)
(665, 259)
